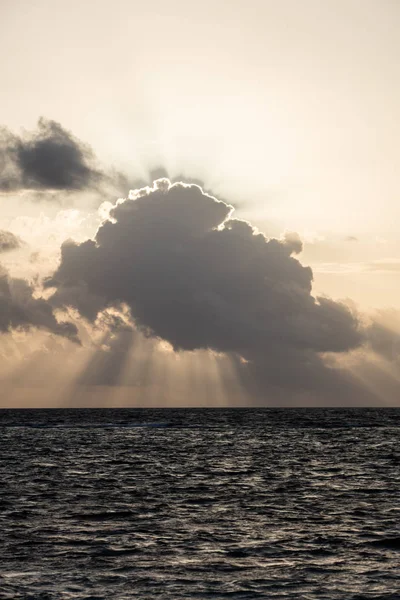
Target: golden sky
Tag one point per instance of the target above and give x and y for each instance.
(288, 111)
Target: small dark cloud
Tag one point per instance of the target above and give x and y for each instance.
(19, 309)
(351, 238)
(50, 158)
(8, 241)
(200, 279)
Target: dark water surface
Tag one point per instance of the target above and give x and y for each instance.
(202, 503)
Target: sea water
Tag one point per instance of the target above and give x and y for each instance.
(200, 503)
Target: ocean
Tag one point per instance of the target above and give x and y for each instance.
(200, 503)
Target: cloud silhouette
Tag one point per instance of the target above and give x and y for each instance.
(19, 309)
(8, 241)
(195, 276)
(50, 158)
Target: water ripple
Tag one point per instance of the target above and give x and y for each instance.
(218, 504)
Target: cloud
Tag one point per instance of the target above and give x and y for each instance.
(50, 158)
(339, 267)
(383, 334)
(387, 265)
(19, 309)
(8, 241)
(193, 275)
(384, 341)
(293, 242)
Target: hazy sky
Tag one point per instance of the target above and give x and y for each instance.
(288, 111)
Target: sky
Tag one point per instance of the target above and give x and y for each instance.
(199, 203)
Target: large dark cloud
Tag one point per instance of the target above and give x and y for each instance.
(20, 310)
(50, 158)
(198, 278)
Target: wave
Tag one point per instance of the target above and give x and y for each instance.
(392, 543)
(90, 425)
